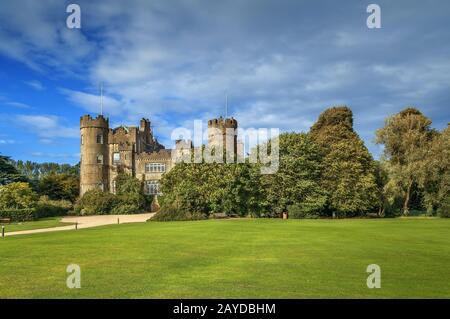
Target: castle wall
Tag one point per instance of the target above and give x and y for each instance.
(94, 155)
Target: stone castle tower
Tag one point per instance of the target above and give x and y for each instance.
(94, 152)
(221, 130)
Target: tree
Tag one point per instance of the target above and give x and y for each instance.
(348, 174)
(17, 195)
(436, 176)
(130, 195)
(8, 173)
(60, 186)
(406, 137)
(297, 181)
(195, 190)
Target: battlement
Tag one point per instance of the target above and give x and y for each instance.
(223, 123)
(100, 121)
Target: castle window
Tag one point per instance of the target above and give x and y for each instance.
(155, 168)
(100, 139)
(99, 159)
(116, 158)
(152, 188)
(82, 142)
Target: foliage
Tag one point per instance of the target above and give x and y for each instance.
(436, 177)
(444, 208)
(130, 195)
(348, 170)
(18, 215)
(171, 213)
(17, 195)
(204, 188)
(59, 186)
(36, 171)
(95, 202)
(47, 207)
(8, 173)
(296, 183)
(406, 137)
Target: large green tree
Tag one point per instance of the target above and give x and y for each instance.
(60, 186)
(8, 173)
(297, 181)
(407, 138)
(205, 188)
(436, 176)
(348, 174)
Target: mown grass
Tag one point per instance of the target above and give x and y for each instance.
(41, 223)
(244, 258)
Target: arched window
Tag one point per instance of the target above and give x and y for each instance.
(100, 139)
(82, 142)
(100, 159)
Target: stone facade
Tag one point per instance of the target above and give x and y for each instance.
(106, 152)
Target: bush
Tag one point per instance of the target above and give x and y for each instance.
(444, 208)
(303, 210)
(172, 213)
(50, 208)
(17, 196)
(18, 215)
(95, 202)
(123, 208)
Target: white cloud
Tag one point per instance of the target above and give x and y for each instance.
(38, 86)
(47, 126)
(7, 142)
(91, 102)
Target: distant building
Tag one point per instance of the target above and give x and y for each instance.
(106, 152)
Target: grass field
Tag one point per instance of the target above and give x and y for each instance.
(233, 259)
(41, 223)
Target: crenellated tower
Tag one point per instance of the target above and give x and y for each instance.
(221, 130)
(94, 166)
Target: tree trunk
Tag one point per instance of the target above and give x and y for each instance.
(406, 203)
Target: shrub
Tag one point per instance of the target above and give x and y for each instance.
(17, 196)
(172, 213)
(18, 215)
(303, 210)
(50, 208)
(444, 208)
(95, 202)
(123, 208)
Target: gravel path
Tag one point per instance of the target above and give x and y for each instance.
(87, 222)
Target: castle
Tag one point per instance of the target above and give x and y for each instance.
(106, 152)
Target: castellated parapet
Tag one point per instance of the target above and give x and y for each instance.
(223, 132)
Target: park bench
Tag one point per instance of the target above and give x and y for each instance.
(5, 220)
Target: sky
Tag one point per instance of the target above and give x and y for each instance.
(281, 63)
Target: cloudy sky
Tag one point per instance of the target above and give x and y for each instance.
(280, 62)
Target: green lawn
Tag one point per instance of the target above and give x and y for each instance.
(41, 223)
(233, 259)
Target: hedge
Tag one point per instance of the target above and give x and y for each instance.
(19, 215)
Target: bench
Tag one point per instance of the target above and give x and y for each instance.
(5, 220)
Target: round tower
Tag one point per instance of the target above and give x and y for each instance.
(94, 153)
(222, 129)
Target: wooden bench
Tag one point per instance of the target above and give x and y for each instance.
(5, 220)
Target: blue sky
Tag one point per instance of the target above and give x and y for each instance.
(280, 62)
